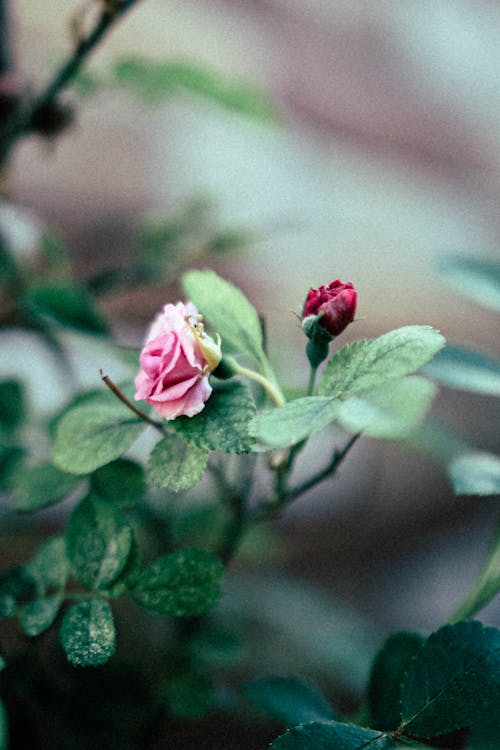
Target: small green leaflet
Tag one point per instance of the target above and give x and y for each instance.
(175, 465)
(387, 673)
(332, 735)
(224, 422)
(88, 633)
(37, 487)
(391, 410)
(466, 369)
(367, 364)
(38, 615)
(49, 568)
(288, 699)
(475, 473)
(94, 433)
(294, 421)
(478, 279)
(453, 681)
(486, 586)
(229, 313)
(98, 542)
(70, 305)
(183, 583)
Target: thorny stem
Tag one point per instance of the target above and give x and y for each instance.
(119, 394)
(21, 122)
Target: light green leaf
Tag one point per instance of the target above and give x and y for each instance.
(466, 369)
(175, 465)
(392, 410)
(70, 305)
(294, 421)
(49, 568)
(224, 422)
(331, 735)
(37, 487)
(487, 585)
(289, 700)
(94, 433)
(120, 482)
(98, 542)
(478, 279)
(475, 473)
(183, 583)
(453, 681)
(229, 313)
(88, 633)
(38, 615)
(367, 364)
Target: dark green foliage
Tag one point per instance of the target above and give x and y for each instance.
(332, 736)
(17, 587)
(39, 486)
(289, 700)
(12, 407)
(386, 677)
(122, 482)
(88, 633)
(69, 305)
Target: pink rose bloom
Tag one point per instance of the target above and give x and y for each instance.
(176, 361)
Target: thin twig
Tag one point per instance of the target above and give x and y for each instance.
(119, 394)
(324, 473)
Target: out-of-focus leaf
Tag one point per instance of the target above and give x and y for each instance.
(69, 305)
(12, 407)
(122, 482)
(478, 279)
(38, 615)
(155, 82)
(289, 700)
(486, 587)
(475, 473)
(37, 487)
(16, 588)
(466, 369)
(49, 568)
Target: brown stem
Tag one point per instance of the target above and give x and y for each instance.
(119, 394)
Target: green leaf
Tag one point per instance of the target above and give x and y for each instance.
(453, 681)
(121, 482)
(387, 674)
(49, 568)
(392, 410)
(98, 542)
(294, 421)
(38, 615)
(224, 422)
(88, 633)
(12, 407)
(228, 311)
(95, 433)
(331, 735)
(476, 279)
(183, 583)
(466, 369)
(16, 588)
(189, 694)
(11, 457)
(175, 465)
(155, 81)
(199, 525)
(289, 700)
(37, 487)
(486, 586)
(475, 473)
(69, 305)
(367, 364)
(4, 724)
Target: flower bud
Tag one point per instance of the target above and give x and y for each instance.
(327, 311)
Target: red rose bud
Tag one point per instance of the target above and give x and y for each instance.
(327, 311)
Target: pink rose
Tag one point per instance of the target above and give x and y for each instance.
(176, 361)
(335, 305)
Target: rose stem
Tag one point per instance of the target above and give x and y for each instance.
(119, 394)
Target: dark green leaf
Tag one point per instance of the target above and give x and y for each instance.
(175, 465)
(12, 408)
(95, 433)
(478, 279)
(289, 700)
(121, 482)
(486, 586)
(49, 568)
(294, 421)
(11, 457)
(367, 364)
(98, 542)
(331, 735)
(224, 422)
(155, 81)
(183, 583)
(199, 525)
(69, 305)
(38, 615)
(16, 588)
(453, 681)
(3, 727)
(229, 312)
(39, 486)
(392, 410)
(466, 369)
(189, 694)
(475, 473)
(387, 674)
(88, 633)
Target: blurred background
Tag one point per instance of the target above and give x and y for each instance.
(384, 158)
